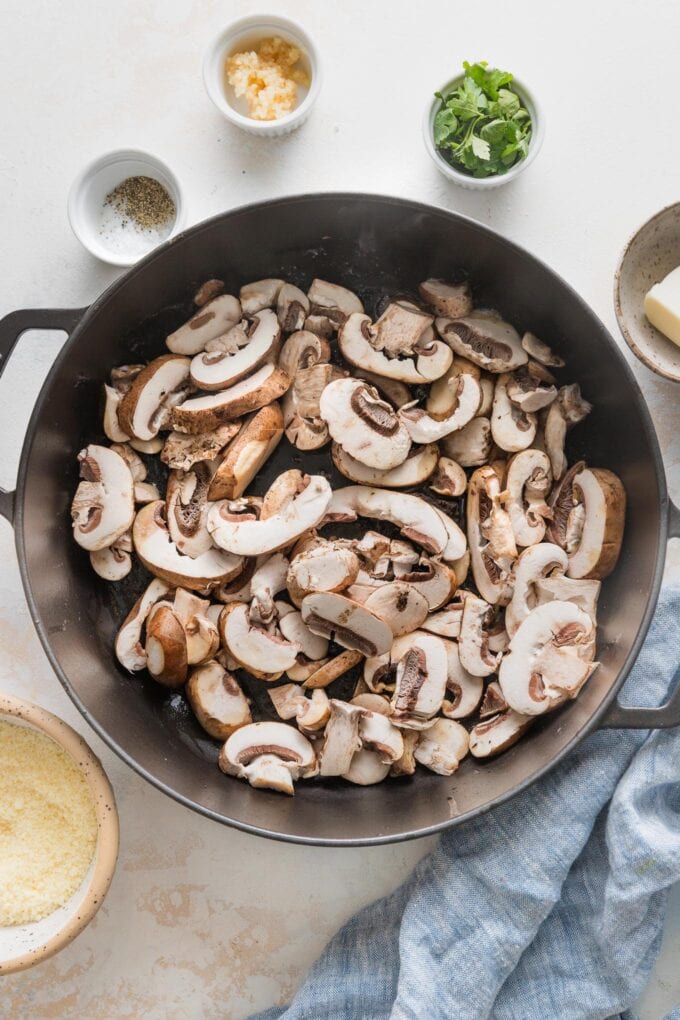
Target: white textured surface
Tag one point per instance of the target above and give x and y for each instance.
(202, 921)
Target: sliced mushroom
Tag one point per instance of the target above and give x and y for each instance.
(582, 593)
(452, 403)
(186, 509)
(133, 461)
(200, 630)
(351, 625)
(114, 562)
(400, 329)
(321, 325)
(252, 447)
(490, 536)
(326, 567)
(536, 349)
(416, 469)
(341, 740)
(292, 307)
(532, 387)
(527, 484)
(536, 562)
(269, 755)
(103, 506)
(366, 427)
(543, 664)
(213, 319)
(259, 295)
(216, 370)
(420, 682)
(415, 518)
(379, 735)
(294, 629)
(166, 647)
(492, 736)
(161, 557)
(446, 623)
(333, 302)
(366, 769)
(389, 389)
(493, 702)
(568, 409)
(128, 645)
(435, 581)
(200, 414)
(302, 350)
(266, 654)
(217, 701)
(111, 425)
(311, 714)
(356, 346)
(268, 579)
(450, 478)
(334, 668)
(453, 300)
(442, 747)
(250, 537)
(143, 409)
(465, 689)
(148, 446)
(473, 643)
(488, 342)
(589, 510)
(512, 428)
(406, 765)
(400, 605)
(372, 702)
(207, 291)
(471, 445)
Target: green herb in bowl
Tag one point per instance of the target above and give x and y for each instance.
(481, 127)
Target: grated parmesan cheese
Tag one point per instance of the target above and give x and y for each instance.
(48, 826)
(268, 78)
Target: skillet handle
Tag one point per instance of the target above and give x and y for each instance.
(12, 327)
(665, 716)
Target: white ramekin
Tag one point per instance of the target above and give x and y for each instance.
(243, 34)
(480, 183)
(94, 183)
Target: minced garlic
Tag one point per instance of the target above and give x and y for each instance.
(268, 78)
(48, 825)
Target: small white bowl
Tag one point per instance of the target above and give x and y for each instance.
(497, 181)
(23, 946)
(88, 193)
(244, 34)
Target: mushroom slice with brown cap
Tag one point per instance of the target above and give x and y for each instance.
(583, 593)
(332, 301)
(366, 427)
(291, 702)
(146, 492)
(341, 740)
(332, 669)
(406, 765)
(294, 629)
(128, 645)
(114, 562)
(186, 509)
(536, 562)
(473, 642)
(453, 300)
(465, 689)
(416, 519)
(321, 325)
(270, 755)
(442, 747)
(378, 734)
(250, 537)
(589, 510)
(439, 418)
(416, 469)
(161, 557)
(540, 351)
(103, 505)
(372, 702)
(568, 409)
(302, 350)
(400, 328)
(446, 623)
(356, 346)
(292, 307)
(213, 319)
(420, 682)
(166, 647)
(512, 428)
(259, 295)
(366, 769)
(327, 567)
(111, 425)
(200, 630)
(402, 607)
(199, 414)
(397, 393)
(147, 446)
(434, 580)
(527, 484)
(493, 701)
(133, 461)
(265, 654)
(449, 479)
(543, 664)
(245, 455)
(268, 579)
(217, 701)
(216, 370)
(494, 735)
(349, 624)
(488, 342)
(142, 410)
(490, 536)
(471, 445)
(532, 387)
(208, 290)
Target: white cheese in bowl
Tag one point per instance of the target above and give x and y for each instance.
(662, 306)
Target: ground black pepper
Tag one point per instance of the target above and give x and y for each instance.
(142, 200)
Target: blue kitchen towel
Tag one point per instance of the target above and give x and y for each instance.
(550, 907)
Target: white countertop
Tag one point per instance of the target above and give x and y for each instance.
(202, 921)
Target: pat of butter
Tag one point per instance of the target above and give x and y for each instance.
(662, 306)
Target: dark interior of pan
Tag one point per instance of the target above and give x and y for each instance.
(376, 246)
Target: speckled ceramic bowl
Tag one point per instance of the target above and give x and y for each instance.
(652, 252)
(23, 946)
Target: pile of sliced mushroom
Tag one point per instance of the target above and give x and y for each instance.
(453, 643)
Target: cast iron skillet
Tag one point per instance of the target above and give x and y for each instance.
(374, 245)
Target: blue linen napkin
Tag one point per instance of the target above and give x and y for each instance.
(549, 907)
